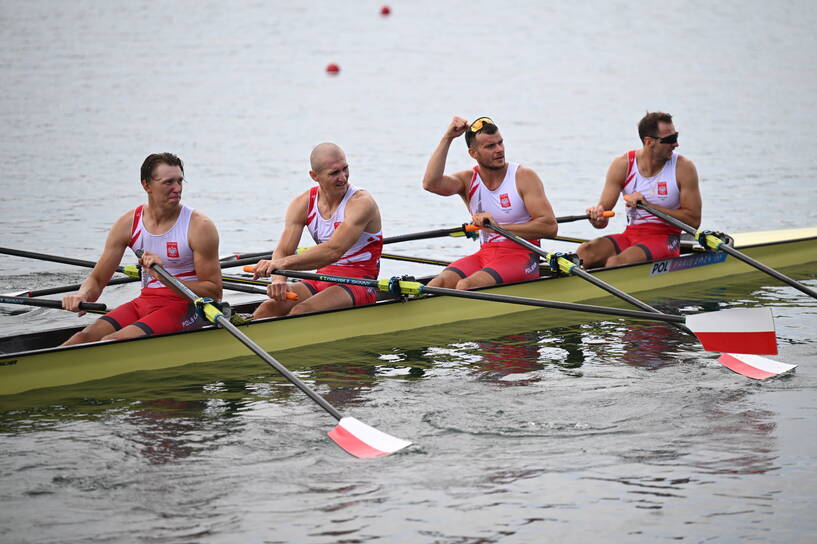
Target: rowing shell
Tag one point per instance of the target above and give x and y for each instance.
(29, 361)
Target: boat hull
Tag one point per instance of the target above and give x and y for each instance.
(51, 367)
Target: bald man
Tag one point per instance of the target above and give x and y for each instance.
(345, 223)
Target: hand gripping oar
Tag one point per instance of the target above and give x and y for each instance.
(734, 333)
(712, 242)
(751, 330)
(355, 437)
(93, 307)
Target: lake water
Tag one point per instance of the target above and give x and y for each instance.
(604, 431)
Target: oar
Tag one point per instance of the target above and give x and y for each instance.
(93, 307)
(739, 330)
(466, 229)
(355, 437)
(558, 263)
(421, 260)
(64, 288)
(710, 241)
(130, 270)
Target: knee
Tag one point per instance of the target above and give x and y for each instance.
(268, 308)
(613, 261)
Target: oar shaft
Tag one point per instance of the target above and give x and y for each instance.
(46, 257)
(46, 303)
(255, 348)
(491, 297)
(732, 251)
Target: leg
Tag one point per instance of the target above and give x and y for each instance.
(480, 278)
(447, 279)
(131, 331)
(93, 332)
(328, 299)
(633, 254)
(275, 308)
(596, 252)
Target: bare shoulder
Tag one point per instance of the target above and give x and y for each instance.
(685, 167)
(363, 196)
(200, 220)
(121, 229)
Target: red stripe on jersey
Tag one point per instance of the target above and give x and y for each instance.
(134, 234)
(313, 197)
(630, 162)
(474, 184)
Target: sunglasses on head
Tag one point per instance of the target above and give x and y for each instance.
(480, 123)
(671, 139)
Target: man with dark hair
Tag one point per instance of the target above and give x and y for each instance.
(344, 221)
(658, 176)
(506, 194)
(180, 239)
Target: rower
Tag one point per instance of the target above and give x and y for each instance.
(182, 240)
(344, 222)
(654, 174)
(507, 194)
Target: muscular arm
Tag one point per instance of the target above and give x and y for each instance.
(203, 239)
(361, 212)
(435, 180)
(115, 245)
(613, 183)
(689, 194)
(543, 222)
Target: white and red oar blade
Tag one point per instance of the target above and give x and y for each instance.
(738, 330)
(363, 441)
(754, 366)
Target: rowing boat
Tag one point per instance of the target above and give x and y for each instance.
(33, 361)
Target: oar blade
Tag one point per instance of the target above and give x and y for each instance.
(363, 441)
(738, 330)
(754, 366)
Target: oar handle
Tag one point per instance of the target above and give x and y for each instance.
(571, 218)
(48, 303)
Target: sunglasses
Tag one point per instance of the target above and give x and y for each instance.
(480, 123)
(671, 139)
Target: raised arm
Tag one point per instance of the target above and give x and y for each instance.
(115, 245)
(435, 180)
(613, 183)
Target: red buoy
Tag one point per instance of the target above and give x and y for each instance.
(332, 68)
(385, 10)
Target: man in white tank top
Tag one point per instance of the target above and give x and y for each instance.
(661, 178)
(182, 240)
(345, 223)
(506, 194)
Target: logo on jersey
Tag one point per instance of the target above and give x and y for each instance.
(173, 250)
(504, 200)
(337, 223)
(662, 188)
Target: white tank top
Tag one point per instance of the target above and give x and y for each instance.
(172, 247)
(504, 203)
(366, 250)
(661, 189)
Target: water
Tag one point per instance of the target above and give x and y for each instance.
(597, 430)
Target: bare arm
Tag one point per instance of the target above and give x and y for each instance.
(294, 224)
(613, 183)
(435, 180)
(203, 239)
(115, 245)
(361, 210)
(689, 195)
(543, 222)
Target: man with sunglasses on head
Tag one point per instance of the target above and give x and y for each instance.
(506, 194)
(658, 176)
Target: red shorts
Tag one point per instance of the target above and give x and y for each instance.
(156, 311)
(505, 261)
(657, 241)
(360, 295)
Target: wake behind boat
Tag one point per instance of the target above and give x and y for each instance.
(34, 361)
